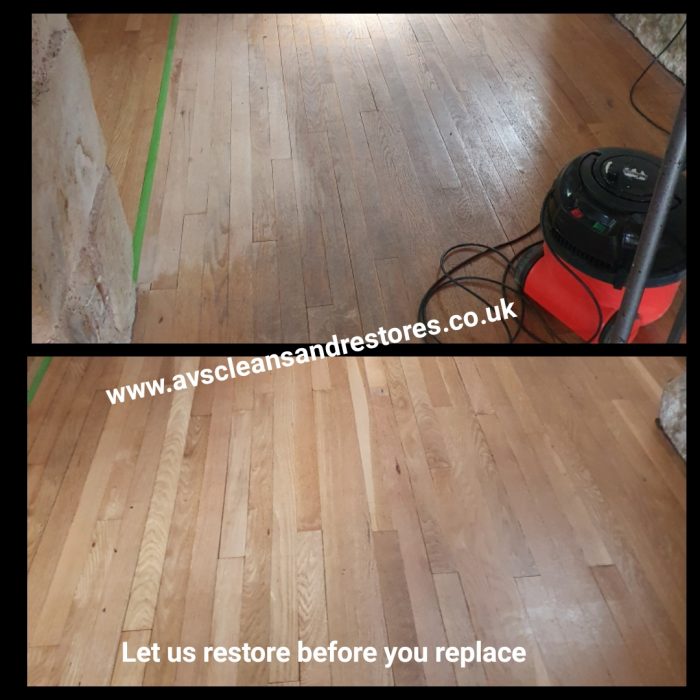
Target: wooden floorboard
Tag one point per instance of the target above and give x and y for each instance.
(333, 158)
(402, 501)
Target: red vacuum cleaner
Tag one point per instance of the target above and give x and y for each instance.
(592, 219)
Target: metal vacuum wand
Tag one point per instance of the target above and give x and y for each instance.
(660, 205)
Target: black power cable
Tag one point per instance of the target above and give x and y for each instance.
(447, 280)
(645, 71)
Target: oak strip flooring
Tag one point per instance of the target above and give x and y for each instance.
(313, 168)
(403, 501)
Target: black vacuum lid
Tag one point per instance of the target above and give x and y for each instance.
(622, 179)
(627, 176)
(595, 211)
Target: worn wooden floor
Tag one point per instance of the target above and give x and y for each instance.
(408, 501)
(313, 167)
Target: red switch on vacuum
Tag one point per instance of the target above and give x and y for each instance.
(576, 213)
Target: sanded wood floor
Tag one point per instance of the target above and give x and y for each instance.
(313, 167)
(402, 501)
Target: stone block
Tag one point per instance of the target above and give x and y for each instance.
(77, 257)
(672, 413)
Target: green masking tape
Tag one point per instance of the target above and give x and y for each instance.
(147, 187)
(34, 386)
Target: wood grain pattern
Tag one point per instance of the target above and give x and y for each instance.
(307, 504)
(458, 625)
(144, 591)
(401, 629)
(199, 598)
(255, 596)
(130, 674)
(226, 615)
(311, 597)
(75, 647)
(336, 156)
(51, 616)
(283, 582)
(233, 525)
(170, 609)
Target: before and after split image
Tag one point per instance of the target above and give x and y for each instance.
(244, 466)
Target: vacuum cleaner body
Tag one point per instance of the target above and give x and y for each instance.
(591, 220)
